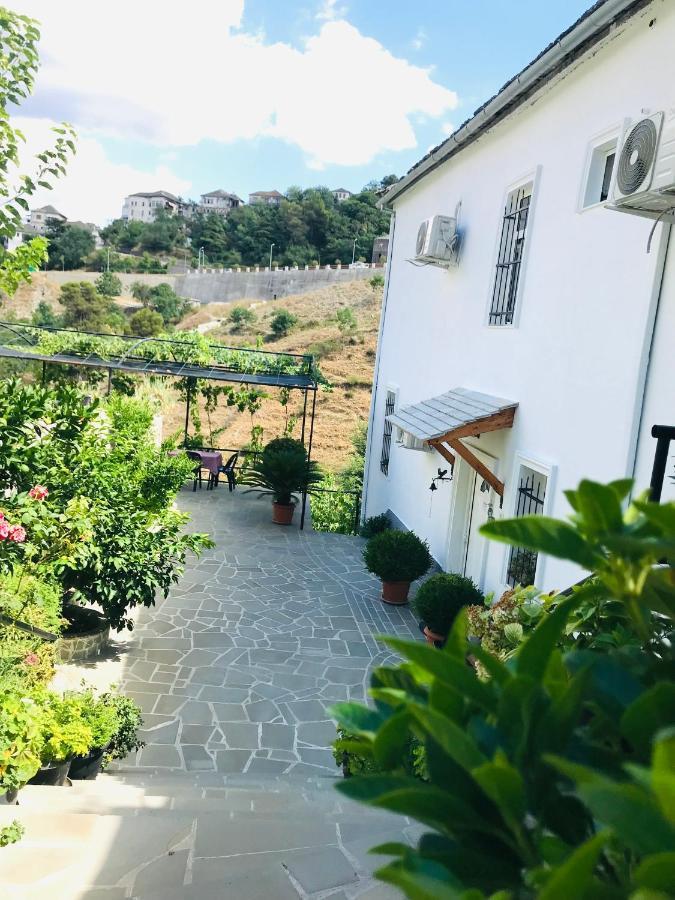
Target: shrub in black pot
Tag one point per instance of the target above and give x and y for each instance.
(439, 600)
(64, 735)
(102, 719)
(397, 558)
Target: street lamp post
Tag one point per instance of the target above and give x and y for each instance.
(354, 249)
(272, 246)
(108, 262)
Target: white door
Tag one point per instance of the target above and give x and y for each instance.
(481, 500)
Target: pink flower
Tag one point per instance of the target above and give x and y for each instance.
(32, 659)
(4, 530)
(39, 492)
(17, 534)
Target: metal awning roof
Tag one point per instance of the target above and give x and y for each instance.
(457, 413)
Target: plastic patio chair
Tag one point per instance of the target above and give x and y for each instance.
(229, 470)
(197, 471)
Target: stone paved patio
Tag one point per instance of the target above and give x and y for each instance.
(236, 669)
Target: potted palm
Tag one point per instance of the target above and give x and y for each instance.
(397, 558)
(65, 735)
(439, 600)
(282, 471)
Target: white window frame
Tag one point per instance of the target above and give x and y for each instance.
(389, 389)
(598, 148)
(549, 471)
(532, 177)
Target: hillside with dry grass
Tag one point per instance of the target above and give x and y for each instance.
(346, 358)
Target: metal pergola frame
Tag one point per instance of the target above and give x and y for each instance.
(303, 380)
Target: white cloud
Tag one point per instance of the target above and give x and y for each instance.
(93, 189)
(176, 79)
(447, 128)
(419, 40)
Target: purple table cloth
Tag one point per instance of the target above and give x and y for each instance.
(211, 459)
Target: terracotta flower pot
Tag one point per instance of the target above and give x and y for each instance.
(395, 592)
(282, 513)
(432, 637)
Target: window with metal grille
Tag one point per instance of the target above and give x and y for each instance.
(386, 436)
(522, 565)
(509, 260)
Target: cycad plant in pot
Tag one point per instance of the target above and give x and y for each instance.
(440, 599)
(397, 558)
(282, 472)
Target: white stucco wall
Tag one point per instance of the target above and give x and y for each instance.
(573, 359)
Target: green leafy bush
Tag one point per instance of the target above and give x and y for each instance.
(333, 507)
(64, 732)
(10, 834)
(98, 715)
(240, 317)
(27, 661)
(441, 597)
(146, 323)
(125, 740)
(108, 284)
(20, 740)
(374, 525)
(282, 323)
(397, 556)
(346, 320)
(553, 776)
(502, 626)
(377, 281)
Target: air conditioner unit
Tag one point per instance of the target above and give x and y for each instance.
(644, 173)
(410, 442)
(437, 241)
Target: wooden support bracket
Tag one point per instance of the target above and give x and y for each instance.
(477, 465)
(443, 450)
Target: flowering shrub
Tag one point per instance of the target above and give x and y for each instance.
(503, 625)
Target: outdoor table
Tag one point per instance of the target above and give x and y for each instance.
(211, 460)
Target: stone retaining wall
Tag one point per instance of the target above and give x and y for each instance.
(83, 646)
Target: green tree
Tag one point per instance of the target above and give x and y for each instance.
(69, 245)
(241, 316)
(346, 320)
(109, 284)
(146, 323)
(19, 36)
(44, 315)
(85, 309)
(282, 323)
(123, 234)
(163, 234)
(141, 292)
(165, 301)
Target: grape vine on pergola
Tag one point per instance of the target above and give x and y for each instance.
(161, 356)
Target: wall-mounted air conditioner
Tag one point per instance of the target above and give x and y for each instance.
(437, 242)
(644, 174)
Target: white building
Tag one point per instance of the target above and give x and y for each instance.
(341, 194)
(556, 313)
(219, 202)
(40, 219)
(143, 206)
(271, 198)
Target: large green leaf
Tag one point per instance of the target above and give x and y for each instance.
(391, 740)
(657, 873)
(357, 718)
(600, 509)
(452, 738)
(663, 772)
(534, 653)
(555, 727)
(424, 881)
(457, 675)
(651, 712)
(574, 877)
(544, 535)
(503, 784)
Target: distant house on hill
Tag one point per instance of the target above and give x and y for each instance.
(143, 206)
(92, 229)
(39, 219)
(271, 198)
(219, 202)
(341, 194)
(380, 249)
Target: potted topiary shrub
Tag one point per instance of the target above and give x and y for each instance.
(397, 558)
(20, 740)
(64, 735)
(439, 600)
(101, 717)
(282, 471)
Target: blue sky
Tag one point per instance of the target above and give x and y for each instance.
(255, 94)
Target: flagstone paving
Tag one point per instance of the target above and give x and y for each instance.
(236, 670)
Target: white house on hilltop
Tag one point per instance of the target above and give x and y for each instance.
(40, 219)
(143, 207)
(341, 194)
(540, 350)
(219, 202)
(271, 198)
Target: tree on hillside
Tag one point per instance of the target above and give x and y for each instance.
(162, 235)
(69, 245)
(164, 300)
(45, 316)
(123, 234)
(141, 292)
(109, 284)
(146, 323)
(19, 36)
(283, 322)
(85, 309)
(241, 316)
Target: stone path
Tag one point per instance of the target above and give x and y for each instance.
(233, 797)
(235, 671)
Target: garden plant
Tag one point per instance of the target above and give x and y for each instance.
(397, 558)
(550, 773)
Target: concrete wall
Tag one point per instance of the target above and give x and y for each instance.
(217, 285)
(127, 278)
(576, 356)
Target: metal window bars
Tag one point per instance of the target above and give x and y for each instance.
(509, 260)
(522, 565)
(386, 436)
